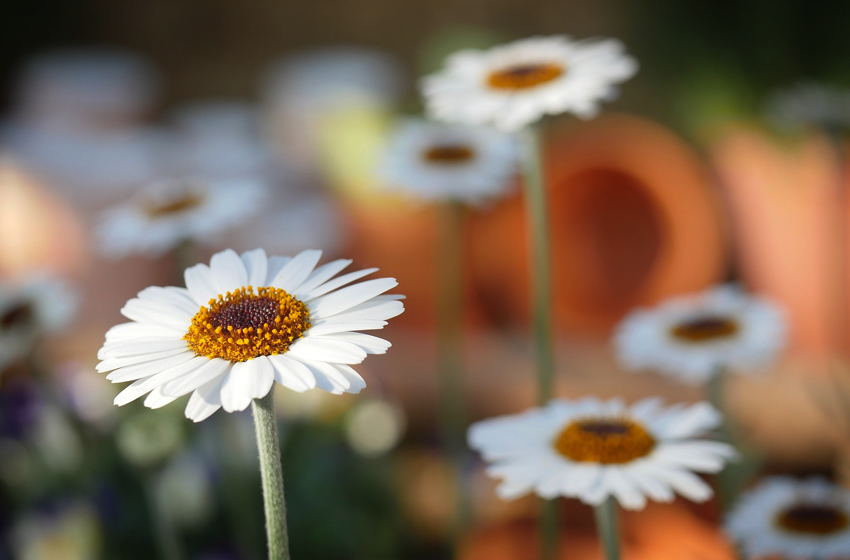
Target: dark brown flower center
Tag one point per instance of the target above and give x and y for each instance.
(524, 76)
(813, 519)
(19, 315)
(183, 203)
(606, 441)
(448, 154)
(705, 329)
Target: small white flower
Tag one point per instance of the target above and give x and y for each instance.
(591, 449)
(810, 104)
(513, 85)
(243, 323)
(694, 337)
(792, 518)
(38, 305)
(435, 161)
(167, 212)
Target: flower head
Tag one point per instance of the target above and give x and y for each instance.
(793, 518)
(693, 337)
(513, 85)
(165, 213)
(435, 161)
(243, 323)
(591, 449)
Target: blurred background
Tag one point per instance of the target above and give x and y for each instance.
(696, 175)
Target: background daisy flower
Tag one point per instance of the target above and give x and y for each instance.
(165, 213)
(792, 518)
(591, 449)
(243, 323)
(513, 85)
(435, 161)
(694, 337)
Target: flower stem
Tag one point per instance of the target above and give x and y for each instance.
(607, 527)
(538, 223)
(450, 349)
(265, 424)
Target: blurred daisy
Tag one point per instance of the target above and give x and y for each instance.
(435, 161)
(793, 518)
(810, 104)
(243, 323)
(591, 449)
(514, 85)
(38, 305)
(694, 337)
(167, 212)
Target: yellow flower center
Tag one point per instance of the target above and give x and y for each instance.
(450, 154)
(524, 76)
(183, 203)
(813, 519)
(242, 325)
(606, 441)
(705, 329)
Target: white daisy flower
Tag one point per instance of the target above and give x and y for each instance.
(243, 323)
(694, 337)
(435, 161)
(591, 449)
(167, 212)
(513, 85)
(36, 306)
(793, 518)
(810, 104)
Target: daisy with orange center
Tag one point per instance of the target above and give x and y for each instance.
(592, 450)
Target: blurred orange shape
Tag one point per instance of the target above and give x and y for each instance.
(634, 219)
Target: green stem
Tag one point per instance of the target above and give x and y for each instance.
(607, 527)
(538, 224)
(726, 479)
(271, 472)
(450, 350)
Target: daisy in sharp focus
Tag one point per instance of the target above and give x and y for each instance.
(436, 161)
(793, 518)
(591, 449)
(695, 337)
(244, 322)
(165, 213)
(513, 85)
(38, 305)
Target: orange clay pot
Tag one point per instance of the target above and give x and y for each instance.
(634, 219)
(786, 211)
(660, 532)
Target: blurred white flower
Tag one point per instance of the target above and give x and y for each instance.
(591, 449)
(374, 427)
(436, 161)
(244, 323)
(70, 532)
(30, 308)
(514, 85)
(810, 104)
(695, 337)
(165, 213)
(792, 519)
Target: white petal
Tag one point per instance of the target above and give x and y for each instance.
(292, 374)
(179, 298)
(321, 275)
(328, 378)
(115, 363)
(148, 383)
(157, 400)
(369, 311)
(334, 325)
(188, 383)
(228, 272)
(276, 264)
(337, 283)
(147, 369)
(296, 271)
(130, 393)
(349, 297)
(326, 349)
(140, 346)
(256, 265)
(625, 490)
(368, 343)
(235, 387)
(205, 401)
(156, 313)
(133, 330)
(200, 283)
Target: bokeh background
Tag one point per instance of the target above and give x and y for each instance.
(686, 180)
